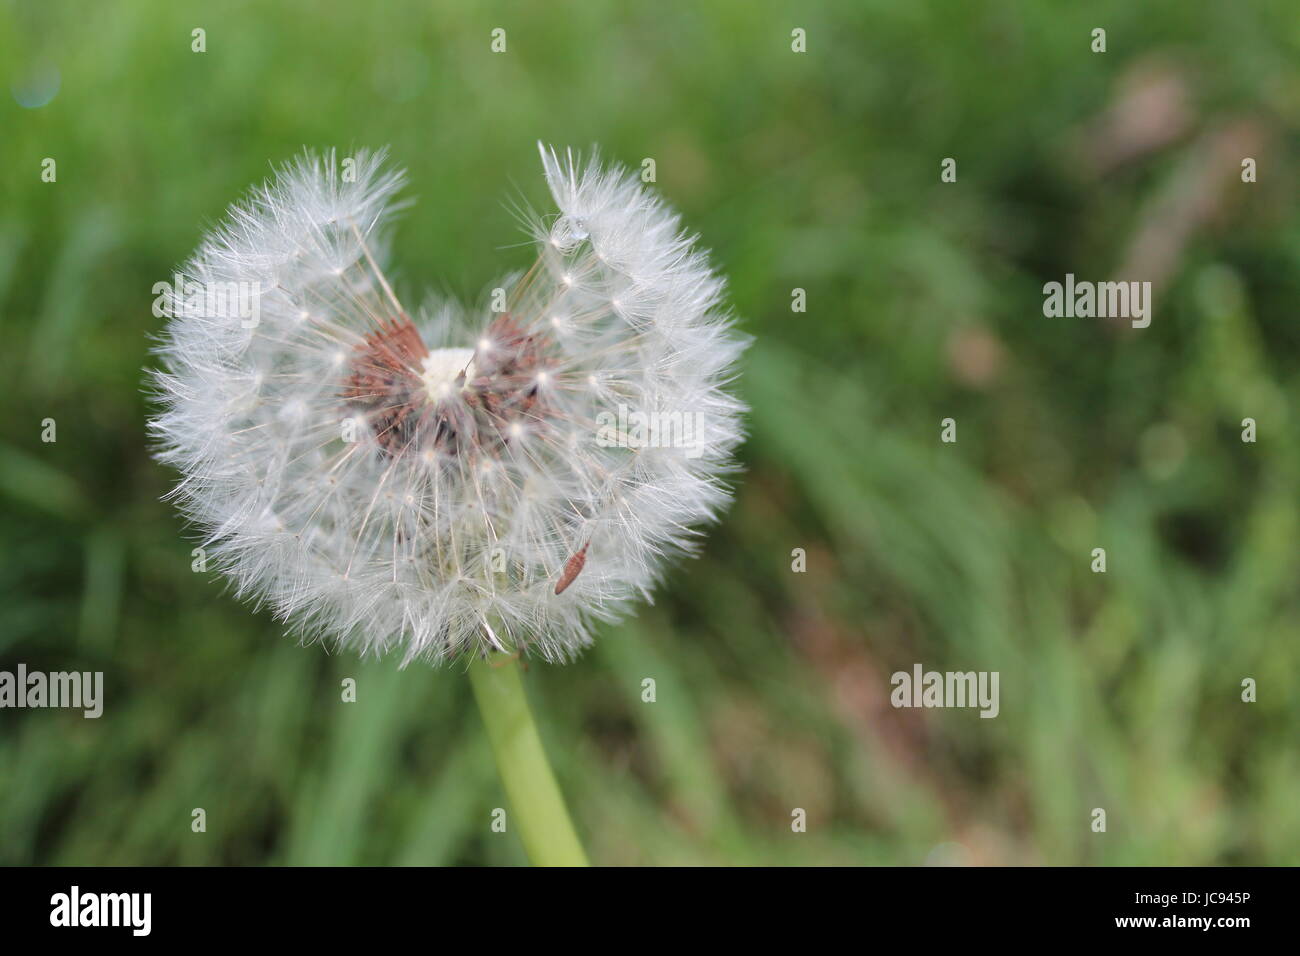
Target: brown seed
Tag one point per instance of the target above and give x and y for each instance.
(572, 568)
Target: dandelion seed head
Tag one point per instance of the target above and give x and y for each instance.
(438, 482)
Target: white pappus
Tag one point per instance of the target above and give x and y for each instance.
(447, 482)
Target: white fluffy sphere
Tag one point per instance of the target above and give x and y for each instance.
(452, 481)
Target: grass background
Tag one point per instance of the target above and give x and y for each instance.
(818, 171)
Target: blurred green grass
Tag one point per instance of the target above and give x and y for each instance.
(818, 171)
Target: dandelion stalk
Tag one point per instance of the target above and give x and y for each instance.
(536, 804)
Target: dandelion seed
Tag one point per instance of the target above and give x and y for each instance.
(572, 568)
(475, 433)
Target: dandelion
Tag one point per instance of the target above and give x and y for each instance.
(449, 482)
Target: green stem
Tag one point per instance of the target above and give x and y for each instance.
(537, 806)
